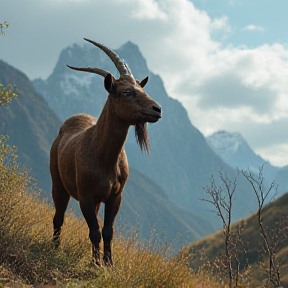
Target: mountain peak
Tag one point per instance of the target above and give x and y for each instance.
(235, 151)
(223, 140)
(129, 45)
(132, 55)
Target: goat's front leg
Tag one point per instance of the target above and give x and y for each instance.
(89, 212)
(112, 206)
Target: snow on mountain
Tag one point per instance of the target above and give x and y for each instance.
(236, 152)
(73, 84)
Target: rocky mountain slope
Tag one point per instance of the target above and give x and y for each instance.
(181, 162)
(30, 124)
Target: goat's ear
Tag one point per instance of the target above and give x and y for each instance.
(109, 83)
(143, 82)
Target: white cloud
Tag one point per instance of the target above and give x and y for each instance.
(149, 10)
(276, 153)
(253, 28)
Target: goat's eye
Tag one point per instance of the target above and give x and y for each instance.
(127, 92)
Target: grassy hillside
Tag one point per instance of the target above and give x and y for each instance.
(274, 215)
(28, 258)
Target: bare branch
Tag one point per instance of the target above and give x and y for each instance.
(221, 197)
(271, 243)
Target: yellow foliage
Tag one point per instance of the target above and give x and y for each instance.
(3, 25)
(7, 94)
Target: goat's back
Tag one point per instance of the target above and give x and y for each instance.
(77, 123)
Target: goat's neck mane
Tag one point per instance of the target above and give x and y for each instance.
(141, 135)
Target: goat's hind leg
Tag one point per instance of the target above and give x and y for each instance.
(61, 199)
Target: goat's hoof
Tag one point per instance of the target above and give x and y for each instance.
(107, 262)
(56, 243)
(95, 264)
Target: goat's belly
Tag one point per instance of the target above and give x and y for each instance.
(97, 190)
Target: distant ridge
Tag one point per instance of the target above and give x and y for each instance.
(235, 151)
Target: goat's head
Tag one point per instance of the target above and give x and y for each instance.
(131, 104)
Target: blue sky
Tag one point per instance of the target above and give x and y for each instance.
(271, 16)
(226, 61)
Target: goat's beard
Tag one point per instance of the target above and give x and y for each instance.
(141, 135)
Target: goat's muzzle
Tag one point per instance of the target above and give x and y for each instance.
(157, 109)
(155, 114)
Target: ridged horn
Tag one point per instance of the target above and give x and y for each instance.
(129, 72)
(91, 70)
(118, 62)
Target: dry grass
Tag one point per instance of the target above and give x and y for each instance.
(27, 256)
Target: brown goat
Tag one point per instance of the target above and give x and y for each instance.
(88, 161)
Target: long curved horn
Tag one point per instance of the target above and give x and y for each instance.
(91, 70)
(119, 63)
(127, 68)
